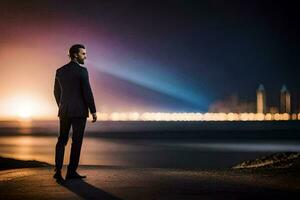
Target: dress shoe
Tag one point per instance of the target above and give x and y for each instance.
(74, 175)
(58, 177)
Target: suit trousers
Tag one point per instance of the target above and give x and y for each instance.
(78, 126)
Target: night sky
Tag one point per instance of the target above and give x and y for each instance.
(156, 56)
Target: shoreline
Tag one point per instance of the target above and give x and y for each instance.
(281, 161)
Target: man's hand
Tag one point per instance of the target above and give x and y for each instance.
(94, 117)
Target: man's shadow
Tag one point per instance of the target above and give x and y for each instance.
(87, 191)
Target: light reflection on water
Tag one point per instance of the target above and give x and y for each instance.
(244, 147)
(144, 153)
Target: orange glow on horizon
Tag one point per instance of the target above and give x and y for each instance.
(24, 107)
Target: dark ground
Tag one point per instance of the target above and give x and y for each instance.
(114, 183)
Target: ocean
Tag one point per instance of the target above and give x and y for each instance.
(142, 144)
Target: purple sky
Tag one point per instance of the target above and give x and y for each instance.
(171, 56)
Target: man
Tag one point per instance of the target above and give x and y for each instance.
(75, 99)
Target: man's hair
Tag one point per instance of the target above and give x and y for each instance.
(75, 49)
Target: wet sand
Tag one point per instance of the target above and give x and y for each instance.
(133, 183)
(111, 182)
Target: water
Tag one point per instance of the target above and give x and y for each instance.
(166, 153)
(202, 145)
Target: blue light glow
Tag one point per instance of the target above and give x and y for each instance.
(154, 77)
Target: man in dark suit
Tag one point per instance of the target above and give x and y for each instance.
(75, 99)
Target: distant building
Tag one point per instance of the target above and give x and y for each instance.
(285, 100)
(274, 109)
(261, 99)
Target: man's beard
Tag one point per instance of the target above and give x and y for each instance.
(80, 61)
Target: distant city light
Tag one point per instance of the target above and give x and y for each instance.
(193, 116)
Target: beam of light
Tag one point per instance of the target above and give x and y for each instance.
(154, 77)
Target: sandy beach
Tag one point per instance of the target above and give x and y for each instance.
(112, 182)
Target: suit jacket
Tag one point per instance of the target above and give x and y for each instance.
(72, 91)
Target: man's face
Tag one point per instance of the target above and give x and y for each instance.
(81, 56)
